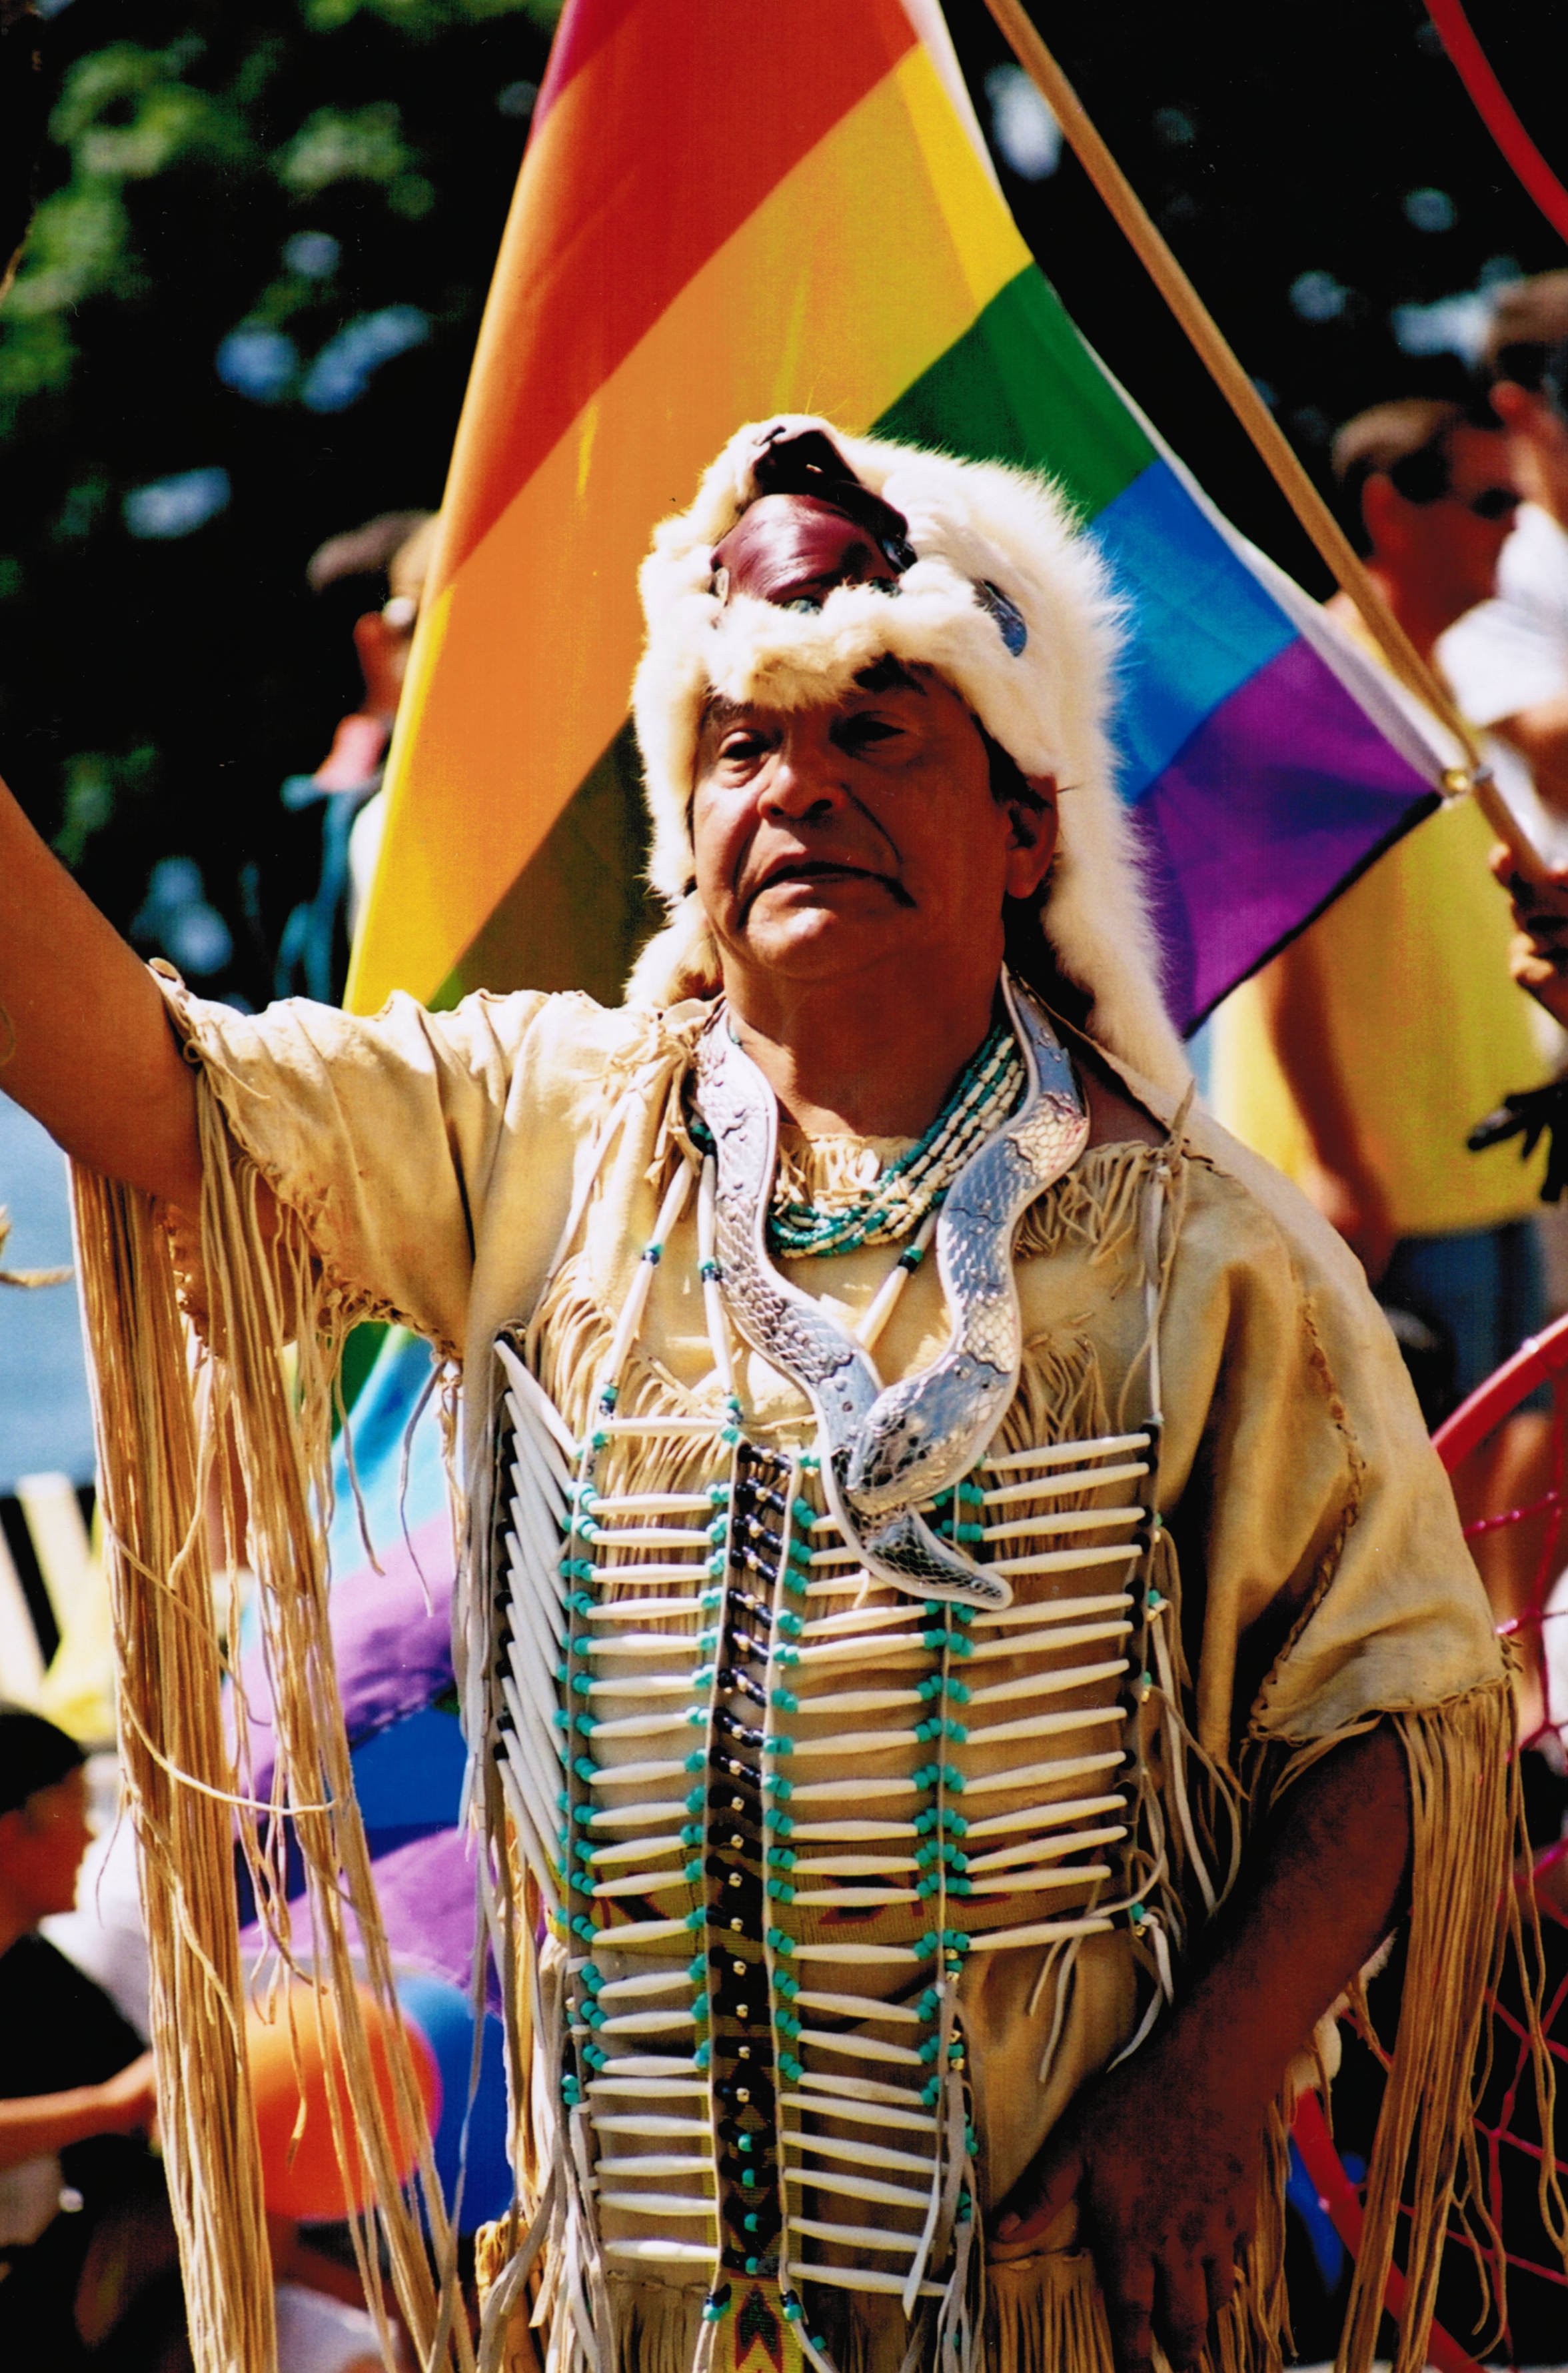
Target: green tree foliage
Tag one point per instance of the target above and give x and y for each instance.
(241, 323)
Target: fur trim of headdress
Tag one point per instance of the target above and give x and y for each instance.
(971, 524)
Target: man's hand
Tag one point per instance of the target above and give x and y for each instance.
(1163, 2156)
(1163, 2168)
(1538, 956)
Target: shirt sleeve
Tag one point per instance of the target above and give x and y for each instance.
(1502, 658)
(380, 1135)
(1333, 1581)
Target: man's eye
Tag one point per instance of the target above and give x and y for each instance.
(868, 732)
(742, 746)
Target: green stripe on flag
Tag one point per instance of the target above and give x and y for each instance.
(579, 912)
(1021, 386)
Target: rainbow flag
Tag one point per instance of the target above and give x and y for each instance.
(724, 213)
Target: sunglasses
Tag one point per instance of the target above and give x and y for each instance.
(1491, 503)
(1422, 477)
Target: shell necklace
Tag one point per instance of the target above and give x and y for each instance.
(899, 1198)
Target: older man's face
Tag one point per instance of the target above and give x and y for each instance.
(834, 839)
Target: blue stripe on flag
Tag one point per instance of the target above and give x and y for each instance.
(1199, 624)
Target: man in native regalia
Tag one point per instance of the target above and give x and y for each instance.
(966, 1647)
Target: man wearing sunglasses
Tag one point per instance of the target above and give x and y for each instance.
(1362, 1056)
(1508, 659)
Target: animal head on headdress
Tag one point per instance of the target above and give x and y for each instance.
(807, 556)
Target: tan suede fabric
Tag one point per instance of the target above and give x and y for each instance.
(436, 1161)
(433, 1159)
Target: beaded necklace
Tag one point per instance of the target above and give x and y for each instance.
(910, 1187)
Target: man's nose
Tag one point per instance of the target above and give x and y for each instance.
(801, 778)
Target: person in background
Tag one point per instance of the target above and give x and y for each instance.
(87, 2267)
(1508, 660)
(1362, 1056)
(398, 545)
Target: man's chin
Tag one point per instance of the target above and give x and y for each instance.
(816, 941)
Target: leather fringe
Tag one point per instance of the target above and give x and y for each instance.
(176, 1419)
(1469, 1920)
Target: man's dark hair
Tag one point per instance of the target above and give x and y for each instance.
(34, 1754)
(1029, 953)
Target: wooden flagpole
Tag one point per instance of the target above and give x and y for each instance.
(1339, 553)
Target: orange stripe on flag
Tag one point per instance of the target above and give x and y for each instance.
(594, 250)
(890, 238)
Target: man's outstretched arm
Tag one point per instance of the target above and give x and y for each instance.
(85, 1039)
(1163, 2156)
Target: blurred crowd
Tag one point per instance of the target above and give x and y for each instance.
(1364, 1056)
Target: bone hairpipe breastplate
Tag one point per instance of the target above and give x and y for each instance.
(784, 1746)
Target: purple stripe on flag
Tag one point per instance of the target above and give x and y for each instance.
(1282, 795)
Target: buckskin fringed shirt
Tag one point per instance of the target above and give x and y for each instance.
(821, 1898)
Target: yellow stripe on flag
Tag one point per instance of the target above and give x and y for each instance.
(845, 285)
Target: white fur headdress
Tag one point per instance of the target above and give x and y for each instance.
(975, 528)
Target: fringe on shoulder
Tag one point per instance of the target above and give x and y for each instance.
(178, 1418)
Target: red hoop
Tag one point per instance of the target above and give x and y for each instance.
(1542, 1359)
(1537, 1357)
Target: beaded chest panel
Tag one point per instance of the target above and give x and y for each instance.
(774, 1805)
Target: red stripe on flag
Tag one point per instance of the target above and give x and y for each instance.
(726, 103)
(584, 28)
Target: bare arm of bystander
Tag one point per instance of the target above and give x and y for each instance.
(37, 2124)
